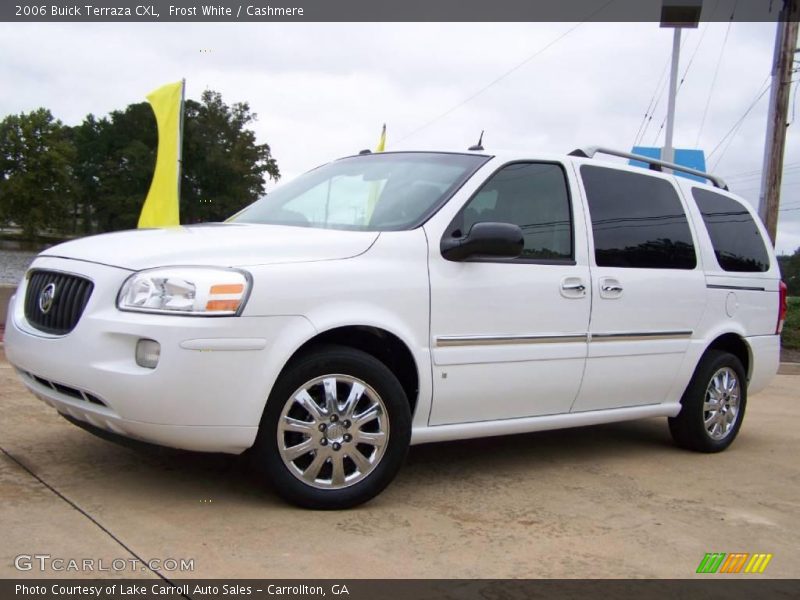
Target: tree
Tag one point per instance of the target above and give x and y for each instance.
(790, 272)
(115, 161)
(95, 176)
(223, 170)
(224, 167)
(36, 178)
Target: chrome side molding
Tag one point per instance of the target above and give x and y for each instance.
(497, 340)
(714, 286)
(639, 336)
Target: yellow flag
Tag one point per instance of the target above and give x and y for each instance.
(374, 191)
(382, 141)
(162, 203)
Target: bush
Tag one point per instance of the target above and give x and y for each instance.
(791, 328)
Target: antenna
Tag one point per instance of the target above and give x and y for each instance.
(479, 145)
(366, 151)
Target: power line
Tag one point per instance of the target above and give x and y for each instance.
(787, 166)
(733, 135)
(650, 105)
(696, 49)
(680, 84)
(714, 80)
(793, 165)
(794, 102)
(740, 179)
(689, 65)
(783, 183)
(663, 86)
(741, 119)
(507, 73)
(660, 86)
(733, 13)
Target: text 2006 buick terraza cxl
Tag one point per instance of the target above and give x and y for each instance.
(390, 299)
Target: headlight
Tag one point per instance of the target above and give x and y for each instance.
(200, 291)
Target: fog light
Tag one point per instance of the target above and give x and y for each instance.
(147, 353)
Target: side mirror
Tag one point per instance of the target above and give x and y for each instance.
(485, 240)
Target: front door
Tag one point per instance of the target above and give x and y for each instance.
(509, 337)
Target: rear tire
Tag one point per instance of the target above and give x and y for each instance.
(335, 430)
(713, 405)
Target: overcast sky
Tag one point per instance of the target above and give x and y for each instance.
(322, 90)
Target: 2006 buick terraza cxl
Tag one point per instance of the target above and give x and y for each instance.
(390, 299)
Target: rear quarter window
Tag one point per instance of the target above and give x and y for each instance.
(736, 239)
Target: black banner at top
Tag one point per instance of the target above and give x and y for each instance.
(115, 11)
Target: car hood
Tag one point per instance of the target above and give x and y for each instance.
(216, 244)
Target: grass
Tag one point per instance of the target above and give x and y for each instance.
(791, 328)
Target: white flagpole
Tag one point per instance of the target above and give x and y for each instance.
(180, 140)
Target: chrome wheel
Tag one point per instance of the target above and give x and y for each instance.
(721, 405)
(333, 431)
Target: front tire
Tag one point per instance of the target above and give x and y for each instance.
(335, 430)
(713, 405)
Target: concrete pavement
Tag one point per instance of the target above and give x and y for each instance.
(609, 501)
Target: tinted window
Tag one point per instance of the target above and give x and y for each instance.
(373, 192)
(737, 242)
(637, 221)
(531, 195)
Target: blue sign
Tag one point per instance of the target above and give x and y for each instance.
(694, 159)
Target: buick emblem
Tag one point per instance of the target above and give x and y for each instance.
(46, 298)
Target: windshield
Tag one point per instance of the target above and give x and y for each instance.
(371, 192)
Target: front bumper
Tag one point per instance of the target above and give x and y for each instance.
(207, 392)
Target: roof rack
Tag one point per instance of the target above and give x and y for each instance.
(655, 164)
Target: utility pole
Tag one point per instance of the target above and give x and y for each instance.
(785, 42)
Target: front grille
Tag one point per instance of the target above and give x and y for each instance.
(69, 298)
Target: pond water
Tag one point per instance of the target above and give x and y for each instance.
(14, 261)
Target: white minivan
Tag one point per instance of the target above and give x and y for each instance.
(400, 298)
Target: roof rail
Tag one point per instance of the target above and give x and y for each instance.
(655, 164)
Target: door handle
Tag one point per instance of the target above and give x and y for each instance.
(573, 287)
(610, 287)
(578, 287)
